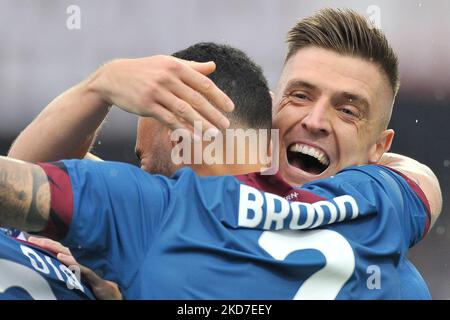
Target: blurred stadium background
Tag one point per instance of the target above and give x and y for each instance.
(40, 57)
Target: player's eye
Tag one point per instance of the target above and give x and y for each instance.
(350, 112)
(347, 111)
(299, 97)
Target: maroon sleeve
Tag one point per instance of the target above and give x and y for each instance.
(61, 207)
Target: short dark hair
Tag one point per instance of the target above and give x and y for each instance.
(240, 78)
(346, 32)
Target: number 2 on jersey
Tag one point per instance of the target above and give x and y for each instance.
(326, 283)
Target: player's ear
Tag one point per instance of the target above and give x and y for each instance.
(382, 145)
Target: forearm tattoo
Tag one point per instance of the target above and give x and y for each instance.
(24, 196)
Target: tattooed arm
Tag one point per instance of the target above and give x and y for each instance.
(24, 195)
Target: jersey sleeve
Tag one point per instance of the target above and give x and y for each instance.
(387, 191)
(108, 213)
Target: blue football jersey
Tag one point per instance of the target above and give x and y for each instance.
(28, 272)
(14, 233)
(190, 237)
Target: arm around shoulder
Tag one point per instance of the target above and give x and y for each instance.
(422, 175)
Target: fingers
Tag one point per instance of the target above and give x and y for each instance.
(194, 97)
(49, 245)
(207, 88)
(67, 259)
(191, 106)
(203, 67)
(103, 289)
(204, 96)
(153, 85)
(63, 254)
(168, 118)
(90, 276)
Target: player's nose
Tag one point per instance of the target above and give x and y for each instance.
(317, 119)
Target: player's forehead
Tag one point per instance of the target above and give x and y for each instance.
(326, 71)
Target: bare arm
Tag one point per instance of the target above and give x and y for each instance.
(422, 175)
(24, 195)
(173, 91)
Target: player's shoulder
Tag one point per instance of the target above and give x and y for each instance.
(116, 173)
(376, 174)
(375, 182)
(367, 171)
(87, 164)
(369, 177)
(389, 178)
(188, 178)
(395, 184)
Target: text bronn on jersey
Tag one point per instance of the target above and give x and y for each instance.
(268, 211)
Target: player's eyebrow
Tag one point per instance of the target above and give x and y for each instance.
(296, 83)
(341, 97)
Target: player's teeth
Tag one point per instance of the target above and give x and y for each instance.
(294, 148)
(313, 152)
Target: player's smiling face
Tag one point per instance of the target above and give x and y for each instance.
(329, 110)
